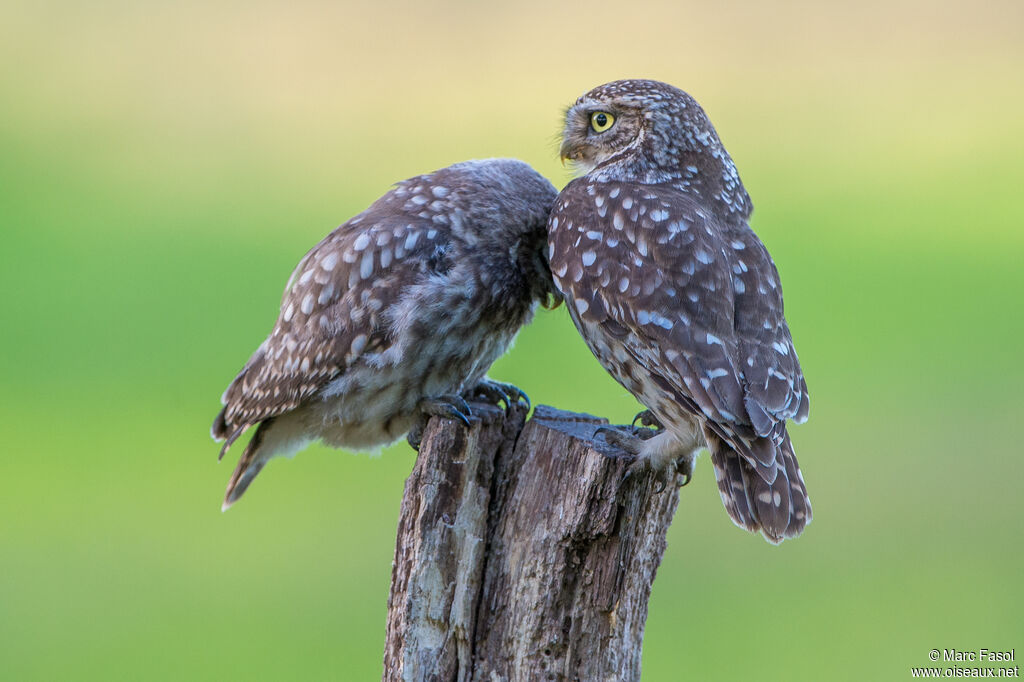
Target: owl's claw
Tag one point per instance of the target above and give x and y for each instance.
(684, 467)
(447, 407)
(629, 439)
(498, 392)
(415, 435)
(452, 407)
(642, 466)
(647, 418)
(633, 444)
(627, 442)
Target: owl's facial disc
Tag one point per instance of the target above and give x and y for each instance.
(595, 131)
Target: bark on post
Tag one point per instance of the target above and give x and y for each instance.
(522, 554)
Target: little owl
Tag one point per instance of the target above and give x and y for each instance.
(396, 314)
(679, 299)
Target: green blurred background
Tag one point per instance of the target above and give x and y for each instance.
(164, 165)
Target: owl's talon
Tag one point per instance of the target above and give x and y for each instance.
(415, 435)
(684, 467)
(627, 442)
(662, 476)
(647, 418)
(641, 467)
(498, 392)
(447, 407)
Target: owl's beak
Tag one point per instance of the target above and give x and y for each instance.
(567, 152)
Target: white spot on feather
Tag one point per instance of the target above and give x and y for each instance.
(326, 293)
(329, 261)
(661, 320)
(366, 266)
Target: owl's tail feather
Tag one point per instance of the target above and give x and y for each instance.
(249, 464)
(219, 431)
(777, 509)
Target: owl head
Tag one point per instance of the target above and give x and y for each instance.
(650, 132)
(502, 213)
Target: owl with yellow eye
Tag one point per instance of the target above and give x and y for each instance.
(678, 298)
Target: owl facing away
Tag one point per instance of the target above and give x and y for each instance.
(679, 299)
(396, 314)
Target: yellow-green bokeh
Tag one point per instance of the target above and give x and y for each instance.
(164, 165)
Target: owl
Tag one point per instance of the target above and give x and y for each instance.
(678, 298)
(396, 315)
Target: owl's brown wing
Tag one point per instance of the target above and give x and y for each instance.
(774, 381)
(649, 266)
(334, 311)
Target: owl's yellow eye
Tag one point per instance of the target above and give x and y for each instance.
(601, 121)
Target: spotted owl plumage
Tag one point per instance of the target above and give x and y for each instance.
(677, 297)
(412, 299)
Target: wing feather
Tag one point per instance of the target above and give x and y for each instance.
(333, 312)
(700, 303)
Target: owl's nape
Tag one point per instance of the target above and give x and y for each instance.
(678, 298)
(398, 312)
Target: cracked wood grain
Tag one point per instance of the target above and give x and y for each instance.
(523, 553)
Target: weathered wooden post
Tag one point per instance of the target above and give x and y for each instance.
(522, 553)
